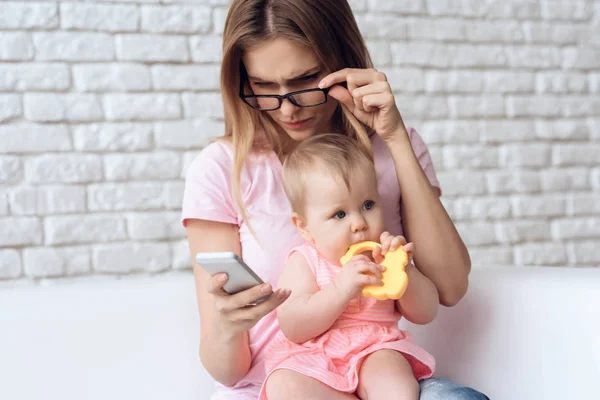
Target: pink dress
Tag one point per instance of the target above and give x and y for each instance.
(334, 358)
(208, 196)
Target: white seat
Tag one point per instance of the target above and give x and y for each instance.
(520, 333)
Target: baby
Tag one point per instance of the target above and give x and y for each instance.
(332, 338)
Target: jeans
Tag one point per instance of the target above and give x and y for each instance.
(442, 389)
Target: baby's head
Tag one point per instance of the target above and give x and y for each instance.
(331, 184)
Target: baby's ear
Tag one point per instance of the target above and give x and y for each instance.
(300, 224)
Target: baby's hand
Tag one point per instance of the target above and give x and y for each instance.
(355, 274)
(391, 243)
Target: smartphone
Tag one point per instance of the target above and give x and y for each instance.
(241, 277)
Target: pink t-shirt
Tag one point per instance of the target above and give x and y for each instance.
(208, 196)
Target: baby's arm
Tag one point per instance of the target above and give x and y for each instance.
(420, 301)
(309, 311)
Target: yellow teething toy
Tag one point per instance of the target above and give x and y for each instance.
(394, 277)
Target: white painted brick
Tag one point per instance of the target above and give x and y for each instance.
(206, 49)
(438, 29)
(219, 16)
(594, 124)
(152, 48)
(579, 106)
(470, 56)
(470, 156)
(46, 200)
(462, 183)
(455, 131)
(122, 77)
(99, 17)
(125, 196)
(568, 154)
(202, 105)
(541, 254)
(374, 26)
(10, 107)
(155, 226)
(476, 106)
(583, 204)
(380, 52)
(585, 253)
(73, 46)
(504, 131)
(520, 231)
(15, 46)
(186, 77)
(10, 264)
(78, 229)
(397, 6)
(11, 169)
(581, 58)
(506, 81)
(512, 181)
(594, 82)
(63, 168)
(187, 134)
(536, 106)
(112, 137)
(539, 206)
(525, 155)
(46, 262)
(127, 258)
(560, 33)
(49, 107)
(20, 231)
(566, 129)
(151, 106)
(566, 9)
(4, 201)
(576, 228)
(176, 19)
(421, 54)
(437, 157)
(173, 194)
(31, 77)
(181, 258)
(454, 81)
(494, 31)
(356, 5)
(565, 179)
(140, 166)
(456, 8)
(476, 233)
(534, 57)
(595, 178)
(491, 256)
(513, 9)
(561, 82)
(20, 15)
(403, 80)
(481, 208)
(34, 138)
(417, 106)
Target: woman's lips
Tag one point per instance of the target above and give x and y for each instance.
(296, 124)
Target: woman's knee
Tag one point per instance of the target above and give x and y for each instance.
(443, 389)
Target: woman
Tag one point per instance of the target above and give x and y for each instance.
(292, 69)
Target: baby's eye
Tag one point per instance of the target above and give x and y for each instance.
(340, 215)
(369, 204)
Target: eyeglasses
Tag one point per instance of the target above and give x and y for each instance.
(300, 98)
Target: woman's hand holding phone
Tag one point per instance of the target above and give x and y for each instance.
(234, 312)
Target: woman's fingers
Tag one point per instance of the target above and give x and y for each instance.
(254, 313)
(353, 77)
(215, 284)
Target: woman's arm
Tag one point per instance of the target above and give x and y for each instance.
(224, 318)
(310, 311)
(440, 252)
(420, 301)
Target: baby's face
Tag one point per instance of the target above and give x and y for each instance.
(337, 217)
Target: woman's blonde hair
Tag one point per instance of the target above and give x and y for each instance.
(327, 27)
(336, 155)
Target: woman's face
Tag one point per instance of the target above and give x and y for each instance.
(281, 66)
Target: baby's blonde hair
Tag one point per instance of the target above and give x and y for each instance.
(334, 153)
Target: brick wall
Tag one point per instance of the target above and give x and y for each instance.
(103, 104)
